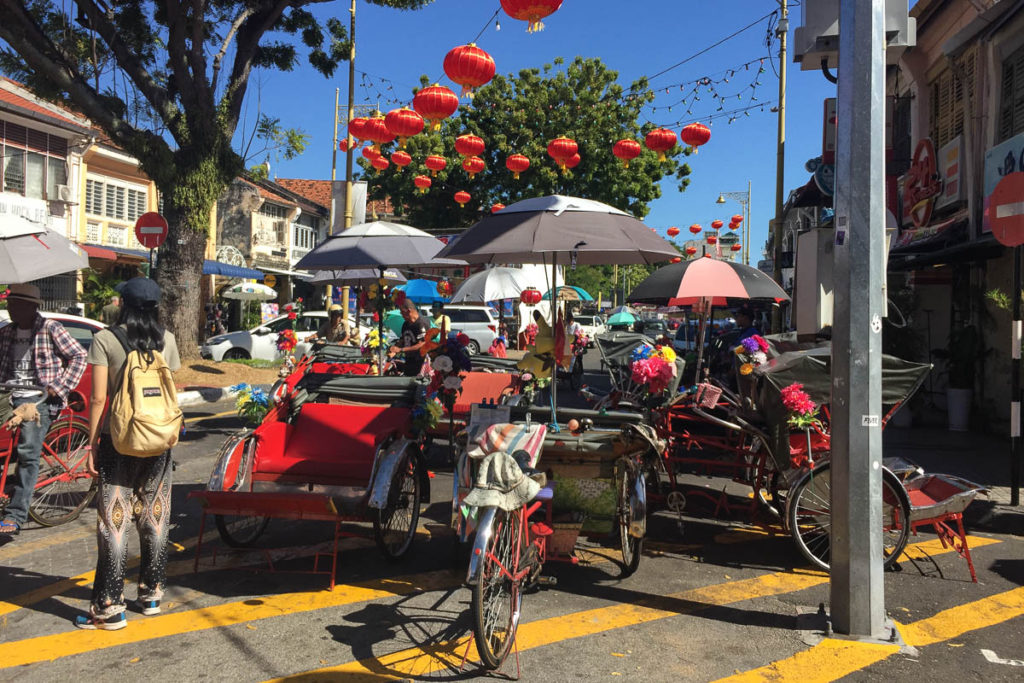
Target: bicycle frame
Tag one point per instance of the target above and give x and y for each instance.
(66, 420)
(485, 529)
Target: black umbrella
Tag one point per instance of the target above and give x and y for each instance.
(688, 282)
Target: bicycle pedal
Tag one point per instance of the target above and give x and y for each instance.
(547, 581)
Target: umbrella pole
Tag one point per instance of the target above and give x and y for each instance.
(380, 326)
(554, 365)
(702, 329)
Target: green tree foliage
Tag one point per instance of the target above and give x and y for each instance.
(520, 114)
(167, 82)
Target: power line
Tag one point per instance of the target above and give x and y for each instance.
(711, 47)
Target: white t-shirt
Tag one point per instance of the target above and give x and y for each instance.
(24, 363)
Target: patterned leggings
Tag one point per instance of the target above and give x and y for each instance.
(138, 488)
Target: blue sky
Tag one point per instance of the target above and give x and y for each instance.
(641, 38)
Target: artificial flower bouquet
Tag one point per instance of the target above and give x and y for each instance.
(653, 367)
(448, 359)
(751, 352)
(531, 331)
(580, 343)
(251, 402)
(286, 340)
(803, 415)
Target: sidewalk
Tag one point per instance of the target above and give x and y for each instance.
(981, 458)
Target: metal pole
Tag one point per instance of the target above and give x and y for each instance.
(334, 167)
(348, 145)
(857, 595)
(1015, 338)
(746, 229)
(780, 162)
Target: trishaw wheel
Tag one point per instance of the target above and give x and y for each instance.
(394, 527)
(810, 516)
(631, 546)
(64, 487)
(496, 594)
(240, 531)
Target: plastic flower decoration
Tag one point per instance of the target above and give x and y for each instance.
(251, 402)
(449, 359)
(531, 331)
(652, 367)
(803, 412)
(371, 342)
(752, 352)
(580, 343)
(286, 340)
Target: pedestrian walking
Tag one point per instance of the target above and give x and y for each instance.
(34, 351)
(111, 312)
(129, 486)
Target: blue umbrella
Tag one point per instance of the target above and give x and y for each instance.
(570, 293)
(422, 292)
(621, 318)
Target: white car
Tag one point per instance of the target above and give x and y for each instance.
(478, 322)
(261, 342)
(592, 325)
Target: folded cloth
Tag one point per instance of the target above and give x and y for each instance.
(26, 412)
(509, 437)
(501, 483)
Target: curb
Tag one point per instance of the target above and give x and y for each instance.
(204, 395)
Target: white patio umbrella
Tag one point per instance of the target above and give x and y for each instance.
(249, 291)
(30, 251)
(493, 284)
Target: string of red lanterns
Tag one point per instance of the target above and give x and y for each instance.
(660, 140)
(695, 135)
(717, 224)
(695, 228)
(561, 150)
(403, 123)
(469, 145)
(401, 159)
(495, 208)
(422, 183)
(473, 165)
(435, 163)
(673, 231)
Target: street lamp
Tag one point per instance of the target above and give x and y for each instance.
(744, 201)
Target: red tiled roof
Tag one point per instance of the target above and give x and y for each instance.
(18, 100)
(267, 194)
(316, 191)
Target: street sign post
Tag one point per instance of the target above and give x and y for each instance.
(270, 280)
(151, 231)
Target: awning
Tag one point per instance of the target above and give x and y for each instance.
(228, 270)
(100, 253)
(936, 235)
(300, 274)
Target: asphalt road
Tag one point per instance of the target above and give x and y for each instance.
(719, 600)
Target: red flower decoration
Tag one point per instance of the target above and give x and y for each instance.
(463, 339)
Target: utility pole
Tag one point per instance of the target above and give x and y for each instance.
(856, 586)
(780, 162)
(348, 144)
(334, 166)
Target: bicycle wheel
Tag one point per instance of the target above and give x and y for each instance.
(394, 527)
(810, 516)
(496, 594)
(64, 487)
(240, 532)
(628, 500)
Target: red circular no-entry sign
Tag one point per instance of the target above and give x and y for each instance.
(151, 229)
(1006, 210)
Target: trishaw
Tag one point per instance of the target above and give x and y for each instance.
(585, 482)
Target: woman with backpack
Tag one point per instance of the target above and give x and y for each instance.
(133, 464)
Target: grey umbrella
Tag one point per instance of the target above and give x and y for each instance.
(30, 251)
(354, 277)
(561, 231)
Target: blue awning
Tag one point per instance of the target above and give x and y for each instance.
(228, 270)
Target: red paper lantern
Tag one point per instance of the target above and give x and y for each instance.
(473, 165)
(675, 259)
(380, 163)
(377, 131)
(712, 239)
(695, 228)
(660, 140)
(717, 224)
(737, 219)
(695, 135)
(626, 150)
(517, 163)
(435, 163)
(469, 66)
(530, 11)
(357, 127)
(444, 288)
(401, 159)
(398, 297)
(423, 183)
(736, 246)
(435, 103)
(403, 123)
(370, 153)
(343, 144)
(530, 296)
(469, 145)
(495, 208)
(462, 197)
(673, 231)
(690, 251)
(561, 150)
(573, 161)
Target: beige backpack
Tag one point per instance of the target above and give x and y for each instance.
(145, 419)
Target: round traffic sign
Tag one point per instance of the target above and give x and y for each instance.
(1006, 210)
(270, 280)
(151, 229)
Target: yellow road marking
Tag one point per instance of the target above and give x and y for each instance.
(44, 648)
(833, 659)
(47, 540)
(925, 549)
(210, 417)
(419, 661)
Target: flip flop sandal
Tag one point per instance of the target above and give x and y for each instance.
(9, 528)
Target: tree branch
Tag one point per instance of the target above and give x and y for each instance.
(176, 51)
(197, 55)
(243, 15)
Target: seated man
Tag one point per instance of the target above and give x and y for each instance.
(335, 330)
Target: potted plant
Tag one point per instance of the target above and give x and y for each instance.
(961, 355)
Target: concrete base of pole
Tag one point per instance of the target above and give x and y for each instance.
(815, 625)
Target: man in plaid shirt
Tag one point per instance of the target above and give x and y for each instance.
(35, 352)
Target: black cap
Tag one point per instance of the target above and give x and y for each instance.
(140, 292)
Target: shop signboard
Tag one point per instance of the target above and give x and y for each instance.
(949, 167)
(1005, 158)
